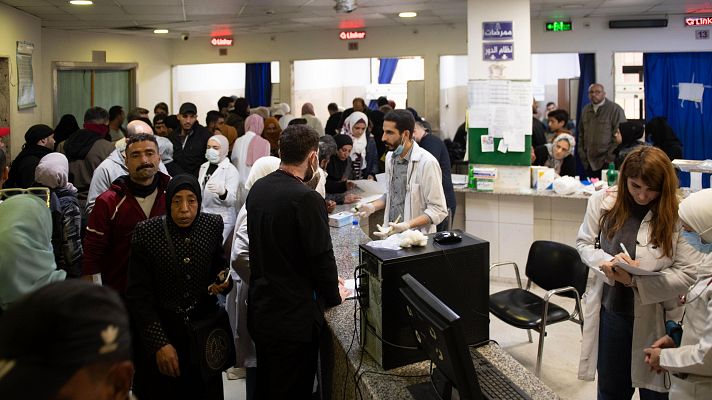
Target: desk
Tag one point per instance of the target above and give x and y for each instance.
(512, 219)
(337, 368)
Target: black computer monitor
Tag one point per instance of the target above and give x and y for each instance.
(439, 333)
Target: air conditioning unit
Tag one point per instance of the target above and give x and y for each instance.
(345, 6)
(638, 23)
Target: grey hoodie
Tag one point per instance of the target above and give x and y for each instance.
(113, 167)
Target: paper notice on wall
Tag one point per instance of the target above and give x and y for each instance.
(520, 93)
(25, 80)
(502, 147)
(515, 141)
(480, 116)
(487, 143)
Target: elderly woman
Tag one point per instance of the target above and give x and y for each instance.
(175, 263)
(690, 361)
(219, 179)
(26, 259)
(248, 148)
(364, 155)
(52, 172)
(558, 155)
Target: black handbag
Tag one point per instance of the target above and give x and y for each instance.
(212, 346)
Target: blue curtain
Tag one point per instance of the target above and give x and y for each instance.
(587, 76)
(258, 84)
(386, 69)
(667, 75)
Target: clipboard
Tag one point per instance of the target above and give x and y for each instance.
(635, 270)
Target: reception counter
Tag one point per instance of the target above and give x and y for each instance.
(343, 362)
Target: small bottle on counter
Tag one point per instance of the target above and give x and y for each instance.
(611, 175)
(470, 176)
(355, 236)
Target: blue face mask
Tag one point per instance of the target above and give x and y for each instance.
(212, 155)
(399, 150)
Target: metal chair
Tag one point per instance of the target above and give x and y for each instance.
(556, 268)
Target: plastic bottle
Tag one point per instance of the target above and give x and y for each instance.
(470, 177)
(611, 174)
(355, 237)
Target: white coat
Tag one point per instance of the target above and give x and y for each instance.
(424, 190)
(694, 356)
(238, 158)
(226, 175)
(656, 297)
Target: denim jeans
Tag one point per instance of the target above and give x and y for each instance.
(615, 339)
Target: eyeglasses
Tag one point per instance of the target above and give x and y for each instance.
(42, 192)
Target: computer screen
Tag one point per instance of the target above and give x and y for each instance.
(439, 332)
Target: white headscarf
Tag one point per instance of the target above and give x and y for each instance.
(261, 168)
(224, 145)
(360, 144)
(695, 212)
(53, 172)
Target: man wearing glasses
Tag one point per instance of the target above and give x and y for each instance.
(599, 120)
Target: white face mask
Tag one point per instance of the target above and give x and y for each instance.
(212, 155)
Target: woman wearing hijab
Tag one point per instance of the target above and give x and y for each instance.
(66, 126)
(663, 137)
(629, 136)
(558, 155)
(248, 148)
(52, 172)
(271, 133)
(312, 121)
(26, 260)
(175, 263)
(690, 361)
(364, 155)
(218, 180)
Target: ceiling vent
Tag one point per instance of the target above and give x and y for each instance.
(345, 6)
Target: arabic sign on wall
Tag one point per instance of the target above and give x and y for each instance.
(498, 30)
(498, 51)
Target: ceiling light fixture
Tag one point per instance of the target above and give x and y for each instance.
(160, 31)
(408, 14)
(81, 2)
(345, 6)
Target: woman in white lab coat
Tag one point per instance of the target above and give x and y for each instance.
(218, 179)
(624, 314)
(690, 364)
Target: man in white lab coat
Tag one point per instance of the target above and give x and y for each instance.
(414, 180)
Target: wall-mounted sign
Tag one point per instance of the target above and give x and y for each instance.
(698, 21)
(352, 35)
(559, 26)
(702, 34)
(498, 51)
(497, 30)
(222, 41)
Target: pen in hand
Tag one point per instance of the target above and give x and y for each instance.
(625, 251)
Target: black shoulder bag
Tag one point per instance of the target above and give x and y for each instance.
(212, 346)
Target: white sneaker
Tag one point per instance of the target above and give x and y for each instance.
(236, 373)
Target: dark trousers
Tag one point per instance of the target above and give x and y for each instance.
(285, 370)
(615, 340)
(250, 382)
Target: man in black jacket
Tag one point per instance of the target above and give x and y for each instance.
(422, 134)
(39, 141)
(293, 270)
(189, 141)
(331, 127)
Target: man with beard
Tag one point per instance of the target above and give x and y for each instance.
(414, 179)
(189, 141)
(131, 199)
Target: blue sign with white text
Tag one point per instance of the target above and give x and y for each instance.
(498, 30)
(498, 51)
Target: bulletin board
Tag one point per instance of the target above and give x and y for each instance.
(476, 156)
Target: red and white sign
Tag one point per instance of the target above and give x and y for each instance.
(221, 41)
(702, 21)
(352, 35)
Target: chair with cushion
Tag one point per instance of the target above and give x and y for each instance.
(556, 268)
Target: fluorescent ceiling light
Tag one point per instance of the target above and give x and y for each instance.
(160, 31)
(81, 2)
(408, 14)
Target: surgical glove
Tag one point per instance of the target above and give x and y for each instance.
(215, 188)
(398, 228)
(364, 210)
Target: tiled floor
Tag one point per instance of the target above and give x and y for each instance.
(560, 362)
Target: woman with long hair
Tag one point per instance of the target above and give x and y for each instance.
(635, 223)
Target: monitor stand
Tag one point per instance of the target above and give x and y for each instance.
(437, 388)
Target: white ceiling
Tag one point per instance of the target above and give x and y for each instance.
(205, 17)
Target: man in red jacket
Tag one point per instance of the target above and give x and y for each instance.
(131, 199)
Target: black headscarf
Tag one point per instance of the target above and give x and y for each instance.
(343, 140)
(660, 132)
(66, 126)
(631, 131)
(178, 183)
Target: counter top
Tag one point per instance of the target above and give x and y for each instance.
(343, 358)
(524, 192)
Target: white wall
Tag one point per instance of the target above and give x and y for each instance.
(453, 94)
(592, 35)
(547, 69)
(16, 25)
(204, 84)
(152, 55)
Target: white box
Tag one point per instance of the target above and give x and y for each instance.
(340, 219)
